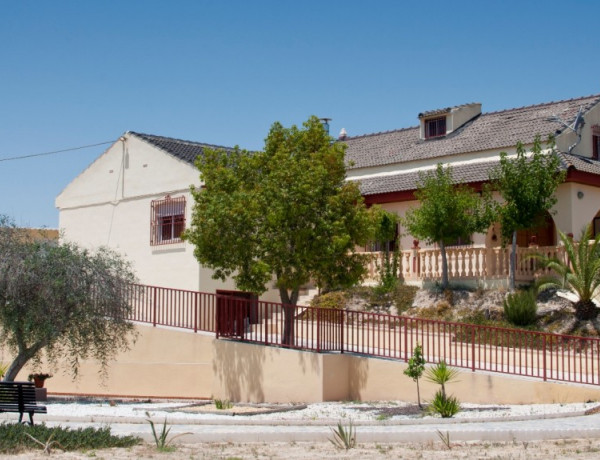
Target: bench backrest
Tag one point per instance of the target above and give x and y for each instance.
(20, 393)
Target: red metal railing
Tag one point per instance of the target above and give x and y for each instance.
(509, 351)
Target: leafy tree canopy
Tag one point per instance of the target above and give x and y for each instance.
(527, 184)
(285, 213)
(61, 299)
(447, 212)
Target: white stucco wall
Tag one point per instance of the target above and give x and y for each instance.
(109, 204)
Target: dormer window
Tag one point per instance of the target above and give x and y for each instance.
(435, 127)
(442, 122)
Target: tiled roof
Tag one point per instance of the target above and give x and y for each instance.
(184, 150)
(489, 131)
(580, 163)
(463, 173)
(469, 172)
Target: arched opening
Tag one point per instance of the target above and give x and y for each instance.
(596, 225)
(542, 235)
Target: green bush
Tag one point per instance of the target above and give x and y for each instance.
(334, 299)
(13, 438)
(520, 308)
(404, 296)
(445, 406)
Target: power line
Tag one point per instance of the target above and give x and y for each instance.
(55, 151)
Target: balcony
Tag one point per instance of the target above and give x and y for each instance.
(466, 264)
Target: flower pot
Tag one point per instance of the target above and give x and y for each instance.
(38, 382)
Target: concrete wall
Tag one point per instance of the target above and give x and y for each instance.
(170, 363)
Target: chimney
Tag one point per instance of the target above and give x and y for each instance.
(325, 123)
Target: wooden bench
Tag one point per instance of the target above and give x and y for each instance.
(20, 397)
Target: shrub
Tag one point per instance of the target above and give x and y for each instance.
(445, 406)
(334, 299)
(223, 404)
(520, 308)
(404, 296)
(13, 438)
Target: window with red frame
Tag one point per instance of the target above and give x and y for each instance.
(167, 220)
(596, 142)
(435, 127)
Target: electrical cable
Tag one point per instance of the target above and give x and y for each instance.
(55, 151)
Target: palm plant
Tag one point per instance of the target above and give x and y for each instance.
(579, 272)
(441, 374)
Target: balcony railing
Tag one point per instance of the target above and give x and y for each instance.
(464, 263)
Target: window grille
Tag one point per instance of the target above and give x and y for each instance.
(435, 127)
(167, 220)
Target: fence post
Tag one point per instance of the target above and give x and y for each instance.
(318, 330)
(406, 339)
(154, 306)
(267, 313)
(196, 312)
(342, 331)
(473, 348)
(544, 351)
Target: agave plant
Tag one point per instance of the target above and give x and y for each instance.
(579, 272)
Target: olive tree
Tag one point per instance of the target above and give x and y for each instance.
(61, 300)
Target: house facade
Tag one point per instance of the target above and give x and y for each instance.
(136, 196)
(388, 165)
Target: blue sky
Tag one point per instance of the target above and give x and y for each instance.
(74, 73)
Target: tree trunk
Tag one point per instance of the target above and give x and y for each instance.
(585, 310)
(513, 263)
(289, 309)
(419, 395)
(19, 362)
(444, 265)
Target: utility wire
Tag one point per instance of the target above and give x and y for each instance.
(55, 151)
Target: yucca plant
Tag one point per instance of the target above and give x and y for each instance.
(446, 406)
(579, 272)
(441, 374)
(162, 439)
(344, 438)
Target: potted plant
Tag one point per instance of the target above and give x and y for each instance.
(38, 379)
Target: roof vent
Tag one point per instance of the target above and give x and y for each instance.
(343, 135)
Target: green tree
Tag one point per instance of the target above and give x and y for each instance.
(285, 213)
(447, 212)
(416, 367)
(60, 299)
(386, 224)
(527, 184)
(579, 272)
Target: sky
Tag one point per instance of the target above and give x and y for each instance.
(77, 73)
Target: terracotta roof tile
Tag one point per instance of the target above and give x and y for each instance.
(489, 131)
(184, 150)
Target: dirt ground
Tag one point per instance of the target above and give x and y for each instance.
(577, 449)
